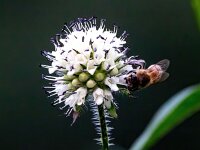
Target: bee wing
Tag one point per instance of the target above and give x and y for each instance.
(164, 64)
(164, 76)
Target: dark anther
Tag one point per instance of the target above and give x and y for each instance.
(115, 26)
(91, 42)
(92, 18)
(71, 24)
(64, 92)
(63, 36)
(62, 52)
(43, 53)
(101, 37)
(124, 35)
(108, 67)
(105, 50)
(52, 40)
(59, 44)
(83, 38)
(81, 20)
(71, 68)
(125, 50)
(112, 41)
(103, 20)
(56, 40)
(60, 67)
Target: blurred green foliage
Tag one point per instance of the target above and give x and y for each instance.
(173, 112)
(196, 8)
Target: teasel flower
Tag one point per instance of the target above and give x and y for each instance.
(88, 65)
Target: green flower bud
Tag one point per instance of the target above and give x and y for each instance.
(76, 82)
(83, 77)
(69, 77)
(114, 71)
(70, 86)
(90, 83)
(99, 76)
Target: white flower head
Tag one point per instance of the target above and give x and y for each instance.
(89, 65)
(88, 59)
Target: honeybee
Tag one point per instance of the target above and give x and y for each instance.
(142, 78)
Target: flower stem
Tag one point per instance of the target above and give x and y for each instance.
(104, 134)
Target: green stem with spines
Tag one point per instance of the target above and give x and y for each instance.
(104, 132)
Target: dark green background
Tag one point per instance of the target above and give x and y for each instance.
(158, 29)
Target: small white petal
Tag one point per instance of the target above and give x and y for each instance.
(113, 54)
(74, 68)
(108, 64)
(112, 83)
(122, 80)
(81, 59)
(108, 98)
(71, 56)
(77, 98)
(126, 68)
(99, 57)
(91, 67)
(52, 70)
(81, 93)
(107, 103)
(57, 55)
(60, 89)
(60, 98)
(99, 100)
(98, 96)
(71, 100)
(61, 63)
(120, 64)
(108, 95)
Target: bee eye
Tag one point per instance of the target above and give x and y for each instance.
(133, 78)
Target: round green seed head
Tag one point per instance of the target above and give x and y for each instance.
(99, 76)
(83, 77)
(70, 86)
(90, 83)
(69, 77)
(76, 82)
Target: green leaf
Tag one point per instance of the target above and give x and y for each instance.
(112, 111)
(196, 8)
(173, 112)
